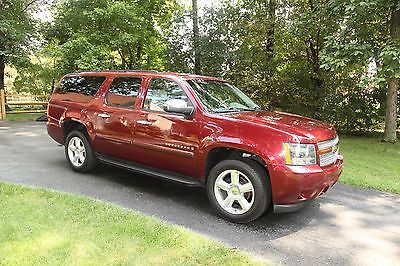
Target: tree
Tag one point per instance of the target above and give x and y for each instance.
(108, 34)
(16, 28)
(368, 33)
(197, 64)
(393, 80)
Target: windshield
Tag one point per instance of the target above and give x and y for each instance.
(220, 97)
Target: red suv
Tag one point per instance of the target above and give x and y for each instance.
(195, 130)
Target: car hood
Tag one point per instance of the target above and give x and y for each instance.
(307, 129)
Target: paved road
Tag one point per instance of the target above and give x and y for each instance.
(348, 226)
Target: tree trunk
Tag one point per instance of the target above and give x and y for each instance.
(270, 42)
(2, 87)
(197, 65)
(393, 85)
(391, 111)
(2, 70)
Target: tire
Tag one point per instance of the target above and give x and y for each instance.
(228, 197)
(77, 144)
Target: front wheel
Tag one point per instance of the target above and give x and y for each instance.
(239, 190)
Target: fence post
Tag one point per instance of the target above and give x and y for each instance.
(3, 104)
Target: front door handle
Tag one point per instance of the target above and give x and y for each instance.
(144, 122)
(103, 115)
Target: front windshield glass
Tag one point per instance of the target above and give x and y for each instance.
(221, 97)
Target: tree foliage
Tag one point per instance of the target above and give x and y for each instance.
(334, 60)
(109, 34)
(16, 29)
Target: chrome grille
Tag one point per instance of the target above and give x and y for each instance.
(331, 156)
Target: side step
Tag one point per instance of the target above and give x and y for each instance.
(182, 179)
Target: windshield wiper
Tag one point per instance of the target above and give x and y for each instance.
(227, 110)
(257, 108)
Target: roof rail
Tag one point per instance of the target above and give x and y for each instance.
(127, 70)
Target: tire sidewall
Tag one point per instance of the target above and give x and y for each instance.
(260, 181)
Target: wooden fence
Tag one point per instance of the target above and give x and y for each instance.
(21, 104)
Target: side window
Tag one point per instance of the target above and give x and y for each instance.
(162, 90)
(79, 88)
(123, 92)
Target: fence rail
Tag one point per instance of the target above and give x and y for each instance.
(22, 104)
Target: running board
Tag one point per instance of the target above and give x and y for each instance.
(182, 179)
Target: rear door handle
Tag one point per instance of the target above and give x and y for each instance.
(144, 122)
(103, 115)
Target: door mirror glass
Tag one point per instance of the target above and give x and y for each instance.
(178, 106)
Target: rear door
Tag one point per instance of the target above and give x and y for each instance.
(115, 119)
(165, 140)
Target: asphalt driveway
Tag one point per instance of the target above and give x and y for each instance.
(347, 226)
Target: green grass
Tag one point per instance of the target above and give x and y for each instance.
(40, 227)
(371, 163)
(23, 117)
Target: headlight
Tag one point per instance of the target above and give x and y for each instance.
(299, 154)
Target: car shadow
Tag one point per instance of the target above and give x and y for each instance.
(192, 200)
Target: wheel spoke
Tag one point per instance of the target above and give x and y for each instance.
(235, 178)
(75, 158)
(243, 203)
(228, 201)
(223, 185)
(81, 157)
(248, 187)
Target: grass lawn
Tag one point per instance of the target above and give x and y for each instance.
(23, 117)
(371, 163)
(43, 227)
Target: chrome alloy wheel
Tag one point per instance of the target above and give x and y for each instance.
(234, 192)
(76, 151)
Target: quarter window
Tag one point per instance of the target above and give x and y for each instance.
(81, 89)
(162, 90)
(86, 85)
(123, 92)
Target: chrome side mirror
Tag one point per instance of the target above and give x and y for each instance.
(178, 106)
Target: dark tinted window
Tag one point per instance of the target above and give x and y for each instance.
(86, 85)
(162, 90)
(123, 91)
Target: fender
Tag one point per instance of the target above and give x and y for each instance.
(212, 142)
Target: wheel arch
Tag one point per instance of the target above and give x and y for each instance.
(71, 124)
(216, 154)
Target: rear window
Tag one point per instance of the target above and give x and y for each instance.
(79, 88)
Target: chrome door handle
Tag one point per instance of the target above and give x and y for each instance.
(144, 122)
(103, 115)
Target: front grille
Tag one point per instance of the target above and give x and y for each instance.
(328, 151)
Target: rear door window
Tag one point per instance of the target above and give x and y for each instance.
(79, 88)
(123, 92)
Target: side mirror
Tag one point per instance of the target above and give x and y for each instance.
(178, 106)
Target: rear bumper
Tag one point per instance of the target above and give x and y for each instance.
(55, 131)
(294, 186)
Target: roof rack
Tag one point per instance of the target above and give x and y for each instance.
(128, 70)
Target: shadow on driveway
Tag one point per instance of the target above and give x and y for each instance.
(347, 226)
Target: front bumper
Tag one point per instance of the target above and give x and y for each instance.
(285, 208)
(294, 186)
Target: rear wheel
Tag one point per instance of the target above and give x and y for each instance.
(79, 152)
(239, 190)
